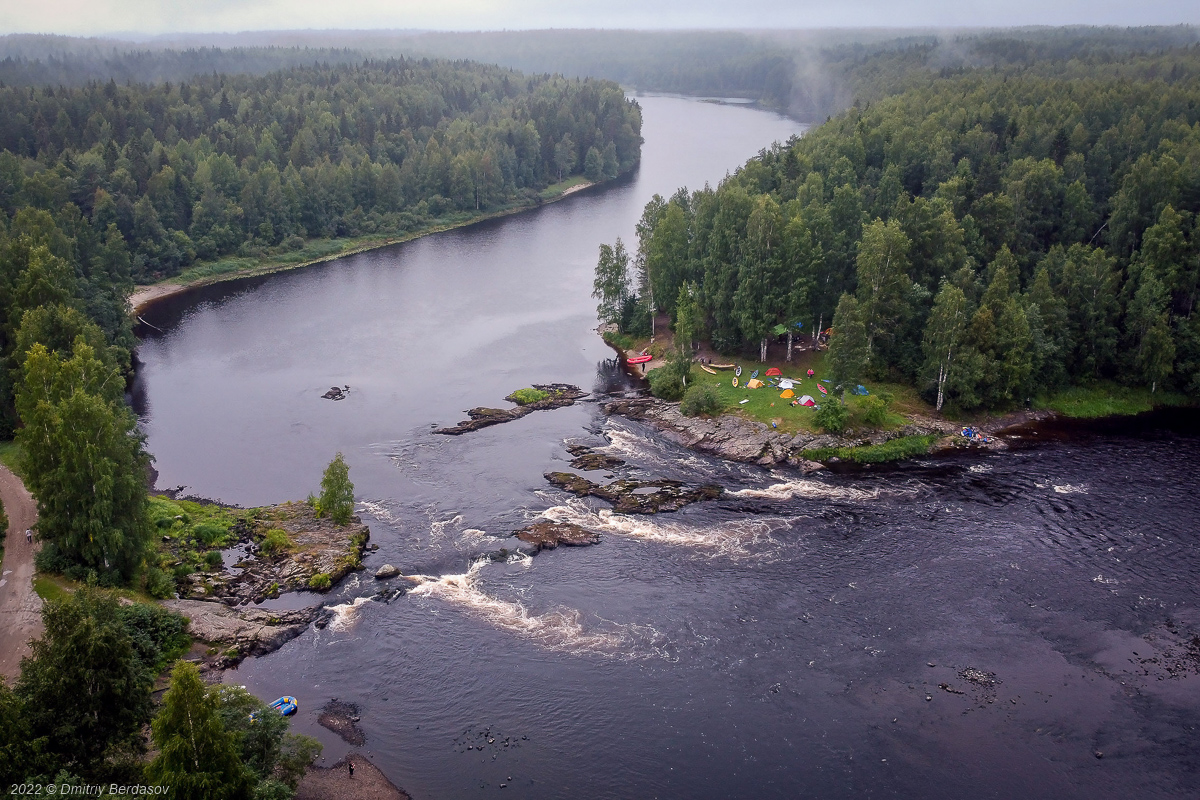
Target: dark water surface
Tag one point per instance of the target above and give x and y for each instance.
(775, 643)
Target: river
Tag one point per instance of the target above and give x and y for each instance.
(1013, 625)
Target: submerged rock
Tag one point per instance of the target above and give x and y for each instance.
(548, 535)
(630, 496)
(589, 461)
(342, 719)
(560, 394)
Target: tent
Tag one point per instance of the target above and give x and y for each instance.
(860, 389)
(773, 371)
(788, 394)
(754, 383)
(807, 401)
(786, 383)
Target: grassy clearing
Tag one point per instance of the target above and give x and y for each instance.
(765, 405)
(190, 537)
(53, 588)
(10, 456)
(552, 191)
(893, 450)
(1107, 400)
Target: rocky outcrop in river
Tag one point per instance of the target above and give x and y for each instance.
(546, 535)
(560, 394)
(315, 547)
(737, 439)
(630, 496)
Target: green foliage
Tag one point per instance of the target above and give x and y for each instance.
(159, 584)
(831, 416)
(524, 397)
(276, 541)
(337, 492)
(84, 460)
(891, 450)
(320, 582)
(197, 755)
(311, 151)
(85, 686)
(964, 217)
(700, 399)
(665, 383)
(875, 408)
(611, 286)
(159, 636)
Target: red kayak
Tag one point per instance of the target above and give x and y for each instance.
(823, 389)
(639, 359)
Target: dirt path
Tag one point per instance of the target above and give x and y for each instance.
(20, 607)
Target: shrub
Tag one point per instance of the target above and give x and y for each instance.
(210, 533)
(665, 383)
(831, 416)
(700, 400)
(213, 558)
(524, 397)
(875, 408)
(337, 492)
(159, 584)
(320, 582)
(276, 541)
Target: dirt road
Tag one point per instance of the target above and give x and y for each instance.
(20, 607)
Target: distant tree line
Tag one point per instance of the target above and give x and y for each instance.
(985, 236)
(248, 164)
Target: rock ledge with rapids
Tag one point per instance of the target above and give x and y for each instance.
(630, 496)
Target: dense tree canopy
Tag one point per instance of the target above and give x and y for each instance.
(1001, 234)
(222, 164)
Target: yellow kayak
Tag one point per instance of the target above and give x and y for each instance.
(708, 369)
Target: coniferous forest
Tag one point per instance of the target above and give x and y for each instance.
(986, 235)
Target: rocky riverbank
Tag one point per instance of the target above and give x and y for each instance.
(738, 439)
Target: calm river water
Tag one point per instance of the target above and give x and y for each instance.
(968, 627)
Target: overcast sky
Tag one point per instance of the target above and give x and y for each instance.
(165, 16)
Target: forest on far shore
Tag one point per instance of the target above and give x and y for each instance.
(986, 235)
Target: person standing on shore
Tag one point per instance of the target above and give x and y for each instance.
(350, 766)
(29, 535)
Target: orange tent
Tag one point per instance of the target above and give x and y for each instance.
(788, 394)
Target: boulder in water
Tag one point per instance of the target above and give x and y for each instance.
(386, 571)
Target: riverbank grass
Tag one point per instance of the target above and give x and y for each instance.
(10, 456)
(893, 450)
(1108, 400)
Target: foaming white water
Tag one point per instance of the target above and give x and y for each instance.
(345, 615)
(979, 468)
(815, 490)
(626, 443)
(735, 539)
(437, 530)
(378, 510)
(1071, 489)
(561, 629)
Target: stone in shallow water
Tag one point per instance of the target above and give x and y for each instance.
(387, 571)
(636, 497)
(548, 535)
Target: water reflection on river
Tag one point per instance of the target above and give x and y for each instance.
(957, 628)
